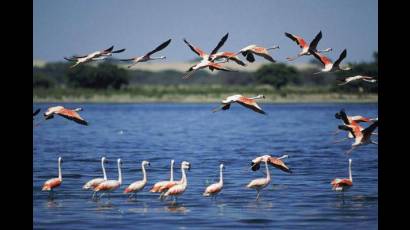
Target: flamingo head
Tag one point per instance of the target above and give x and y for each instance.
(145, 163)
(52, 110)
(186, 165)
(221, 166)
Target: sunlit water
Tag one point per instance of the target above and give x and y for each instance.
(191, 132)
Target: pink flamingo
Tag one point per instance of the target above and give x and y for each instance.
(260, 183)
(110, 185)
(362, 137)
(147, 57)
(91, 184)
(138, 185)
(214, 189)
(328, 64)
(179, 189)
(252, 50)
(50, 184)
(341, 185)
(157, 186)
(97, 55)
(274, 161)
(70, 114)
(248, 102)
(305, 46)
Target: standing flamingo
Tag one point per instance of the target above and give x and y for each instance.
(305, 46)
(328, 64)
(110, 185)
(214, 189)
(179, 189)
(362, 137)
(96, 181)
(97, 55)
(260, 183)
(169, 184)
(70, 114)
(252, 50)
(248, 102)
(147, 56)
(274, 161)
(206, 61)
(356, 78)
(157, 186)
(50, 184)
(341, 185)
(138, 185)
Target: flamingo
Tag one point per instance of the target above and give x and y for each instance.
(252, 50)
(274, 161)
(138, 185)
(228, 56)
(50, 184)
(70, 114)
(111, 185)
(91, 184)
(362, 137)
(147, 56)
(179, 189)
(97, 55)
(206, 61)
(355, 78)
(341, 185)
(214, 189)
(169, 184)
(347, 120)
(157, 186)
(328, 64)
(260, 183)
(35, 113)
(305, 46)
(248, 102)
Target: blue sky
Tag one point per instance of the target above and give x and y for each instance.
(66, 27)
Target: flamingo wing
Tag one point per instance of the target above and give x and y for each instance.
(322, 58)
(160, 47)
(52, 183)
(341, 57)
(213, 65)
(300, 41)
(72, 115)
(118, 51)
(369, 130)
(250, 104)
(358, 119)
(108, 50)
(196, 50)
(341, 182)
(36, 112)
(279, 164)
(315, 41)
(220, 44)
(266, 56)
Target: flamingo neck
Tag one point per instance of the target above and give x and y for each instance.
(350, 171)
(119, 173)
(60, 177)
(184, 180)
(273, 47)
(144, 178)
(257, 97)
(221, 179)
(172, 171)
(325, 50)
(267, 171)
(103, 168)
(77, 109)
(156, 58)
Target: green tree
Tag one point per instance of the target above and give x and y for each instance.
(277, 75)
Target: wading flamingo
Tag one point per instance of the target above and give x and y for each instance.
(157, 186)
(260, 183)
(90, 185)
(214, 189)
(70, 114)
(305, 46)
(328, 64)
(49, 185)
(147, 56)
(252, 50)
(248, 102)
(362, 137)
(206, 61)
(341, 185)
(110, 185)
(356, 78)
(274, 161)
(138, 185)
(97, 55)
(179, 189)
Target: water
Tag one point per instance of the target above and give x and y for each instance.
(191, 132)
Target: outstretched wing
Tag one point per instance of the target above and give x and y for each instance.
(72, 115)
(300, 41)
(160, 47)
(315, 41)
(341, 57)
(220, 44)
(196, 50)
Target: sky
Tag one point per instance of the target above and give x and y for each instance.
(67, 27)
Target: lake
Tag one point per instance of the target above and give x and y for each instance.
(191, 132)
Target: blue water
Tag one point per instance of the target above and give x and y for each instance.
(191, 132)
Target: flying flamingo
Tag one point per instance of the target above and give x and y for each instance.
(362, 137)
(110, 185)
(341, 185)
(328, 64)
(305, 46)
(70, 114)
(347, 120)
(97, 55)
(274, 161)
(248, 102)
(252, 50)
(260, 183)
(157, 186)
(206, 61)
(96, 181)
(138, 185)
(355, 78)
(147, 56)
(228, 56)
(179, 189)
(214, 189)
(50, 184)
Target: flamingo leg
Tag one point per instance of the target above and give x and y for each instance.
(350, 150)
(257, 194)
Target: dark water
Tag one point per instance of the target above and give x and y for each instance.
(161, 132)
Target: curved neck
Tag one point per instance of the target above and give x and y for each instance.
(102, 165)
(221, 179)
(59, 171)
(172, 171)
(119, 173)
(267, 171)
(350, 171)
(257, 97)
(184, 180)
(144, 173)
